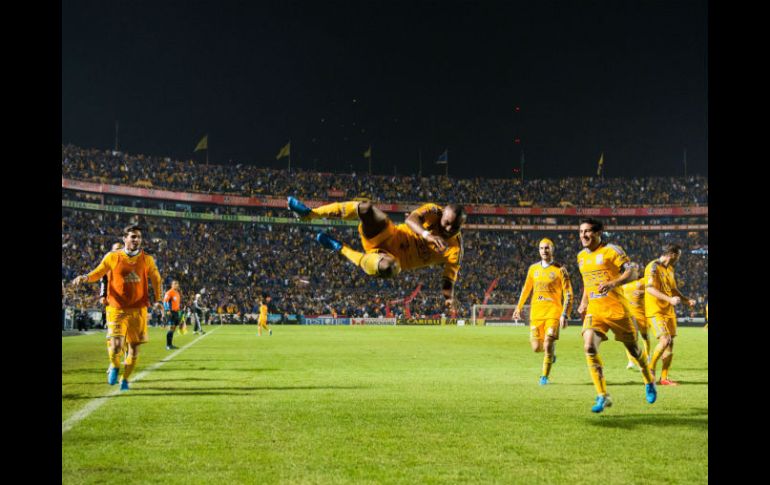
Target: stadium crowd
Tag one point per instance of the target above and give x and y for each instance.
(237, 262)
(248, 180)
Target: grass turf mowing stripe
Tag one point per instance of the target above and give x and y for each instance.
(98, 402)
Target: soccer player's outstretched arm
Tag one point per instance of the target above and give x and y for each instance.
(524, 295)
(95, 275)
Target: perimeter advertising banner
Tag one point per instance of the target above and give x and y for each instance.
(432, 321)
(372, 321)
(324, 321)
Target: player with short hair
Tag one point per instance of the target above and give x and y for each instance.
(551, 304)
(172, 304)
(262, 321)
(661, 296)
(103, 283)
(429, 237)
(605, 268)
(131, 271)
(634, 293)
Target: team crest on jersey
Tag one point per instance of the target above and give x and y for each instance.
(552, 276)
(537, 273)
(133, 278)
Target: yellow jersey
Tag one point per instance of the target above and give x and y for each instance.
(412, 251)
(262, 313)
(128, 285)
(662, 279)
(551, 291)
(634, 293)
(600, 266)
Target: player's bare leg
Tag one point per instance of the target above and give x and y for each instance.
(637, 353)
(661, 350)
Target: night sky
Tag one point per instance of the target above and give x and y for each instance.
(625, 78)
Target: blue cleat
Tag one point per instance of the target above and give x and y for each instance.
(301, 211)
(601, 403)
(328, 242)
(651, 392)
(123, 385)
(112, 377)
(543, 380)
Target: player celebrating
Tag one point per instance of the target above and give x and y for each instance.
(661, 296)
(128, 296)
(605, 267)
(431, 236)
(172, 304)
(634, 293)
(551, 304)
(262, 322)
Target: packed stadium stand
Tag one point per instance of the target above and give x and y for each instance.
(239, 249)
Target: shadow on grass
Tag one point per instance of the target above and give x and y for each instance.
(697, 420)
(140, 390)
(229, 390)
(223, 369)
(640, 383)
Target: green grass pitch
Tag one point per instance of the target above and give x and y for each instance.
(374, 404)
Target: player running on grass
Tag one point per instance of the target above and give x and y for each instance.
(605, 267)
(131, 270)
(551, 304)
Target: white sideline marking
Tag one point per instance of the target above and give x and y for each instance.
(97, 403)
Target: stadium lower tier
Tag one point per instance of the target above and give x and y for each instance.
(237, 262)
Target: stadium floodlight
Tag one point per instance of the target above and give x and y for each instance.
(498, 315)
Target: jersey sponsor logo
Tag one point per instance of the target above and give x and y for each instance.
(599, 258)
(544, 298)
(596, 295)
(537, 273)
(132, 277)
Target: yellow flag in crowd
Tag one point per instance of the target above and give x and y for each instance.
(368, 153)
(203, 144)
(601, 164)
(284, 151)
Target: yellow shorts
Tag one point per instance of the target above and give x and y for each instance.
(641, 322)
(377, 243)
(539, 329)
(262, 323)
(622, 327)
(130, 323)
(664, 325)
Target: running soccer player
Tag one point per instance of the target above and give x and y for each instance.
(172, 304)
(262, 322)
(429, 237)
(103, 283)
(634, 293)
(661, 296)
(604, 268)
(551, 304)
(131, 270)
